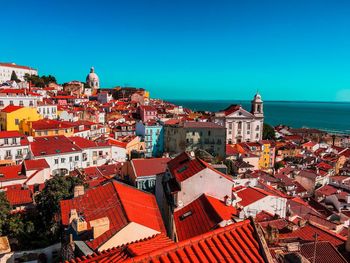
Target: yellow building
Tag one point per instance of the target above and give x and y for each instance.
(267, 156)
(12, 117)
(46, 127)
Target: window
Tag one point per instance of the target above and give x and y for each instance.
(31, 103)
(63, 160)
(8, 153)
(77, 158)
(230, 126)
(209, 133)
(257, 127)
(21, 103)
(6, 141)
(11, 102)
(71, 159)
(45, 132)
(240, 125)
(16, 121)
(193, 133)
(1, 103)
(248, 126)
(56, 161)
(14, 141)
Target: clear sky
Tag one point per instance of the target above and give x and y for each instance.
(189, 49)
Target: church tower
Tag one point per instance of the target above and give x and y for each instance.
(257, 106)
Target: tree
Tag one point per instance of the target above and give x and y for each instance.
(14, 76)
(48, 201)
(268, 132)
(5, 209)
(40, 81)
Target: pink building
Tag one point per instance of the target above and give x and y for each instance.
(147, 113)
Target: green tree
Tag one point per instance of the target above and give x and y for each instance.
(5, 209)
(40, 81)
(14, 76)
(268, 132)
(48, 201)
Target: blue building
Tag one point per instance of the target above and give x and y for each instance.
(153, 134)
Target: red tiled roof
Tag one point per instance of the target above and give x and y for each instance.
(121, 203)
(46, 124)
(326, 252)
(9, 173)
(231, 109)
(234, 243)
(49, 145)
(147, 108)
(250, 195)
(11, 108)
(19, 196)
(183, 167)
(203, 215)
(146, 167)
(307, 233)
(36, 164)
(326, 190)
(85, 143)
(13, 65)
(120, 254)
(10, 134)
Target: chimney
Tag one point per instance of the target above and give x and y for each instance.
(228, 200)
(78, 190)
(73, 215)
(99, 226)
(79, 224)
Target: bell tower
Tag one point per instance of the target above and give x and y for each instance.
(257, 106)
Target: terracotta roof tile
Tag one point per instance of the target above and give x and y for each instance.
(201, 216)
(146, 167)
(120, 203)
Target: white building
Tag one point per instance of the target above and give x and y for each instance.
(60, 153)
(241, 125)
(254, 200)
(48, 111)
(14, 147)
(7, 68)
(93, 153)
(18, 97)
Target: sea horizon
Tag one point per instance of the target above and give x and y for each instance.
(332, 116)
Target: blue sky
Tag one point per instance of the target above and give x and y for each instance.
(288, 50)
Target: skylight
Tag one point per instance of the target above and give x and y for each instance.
(183, 168)
(185, 215)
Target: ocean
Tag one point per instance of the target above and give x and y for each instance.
(328, 116)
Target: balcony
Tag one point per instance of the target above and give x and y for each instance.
(8, 157)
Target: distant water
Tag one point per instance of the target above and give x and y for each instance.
(329, 116)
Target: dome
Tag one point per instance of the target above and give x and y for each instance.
(92, 76)
(93, 80)
(257, 97)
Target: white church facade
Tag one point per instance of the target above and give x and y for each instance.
(242, 125)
